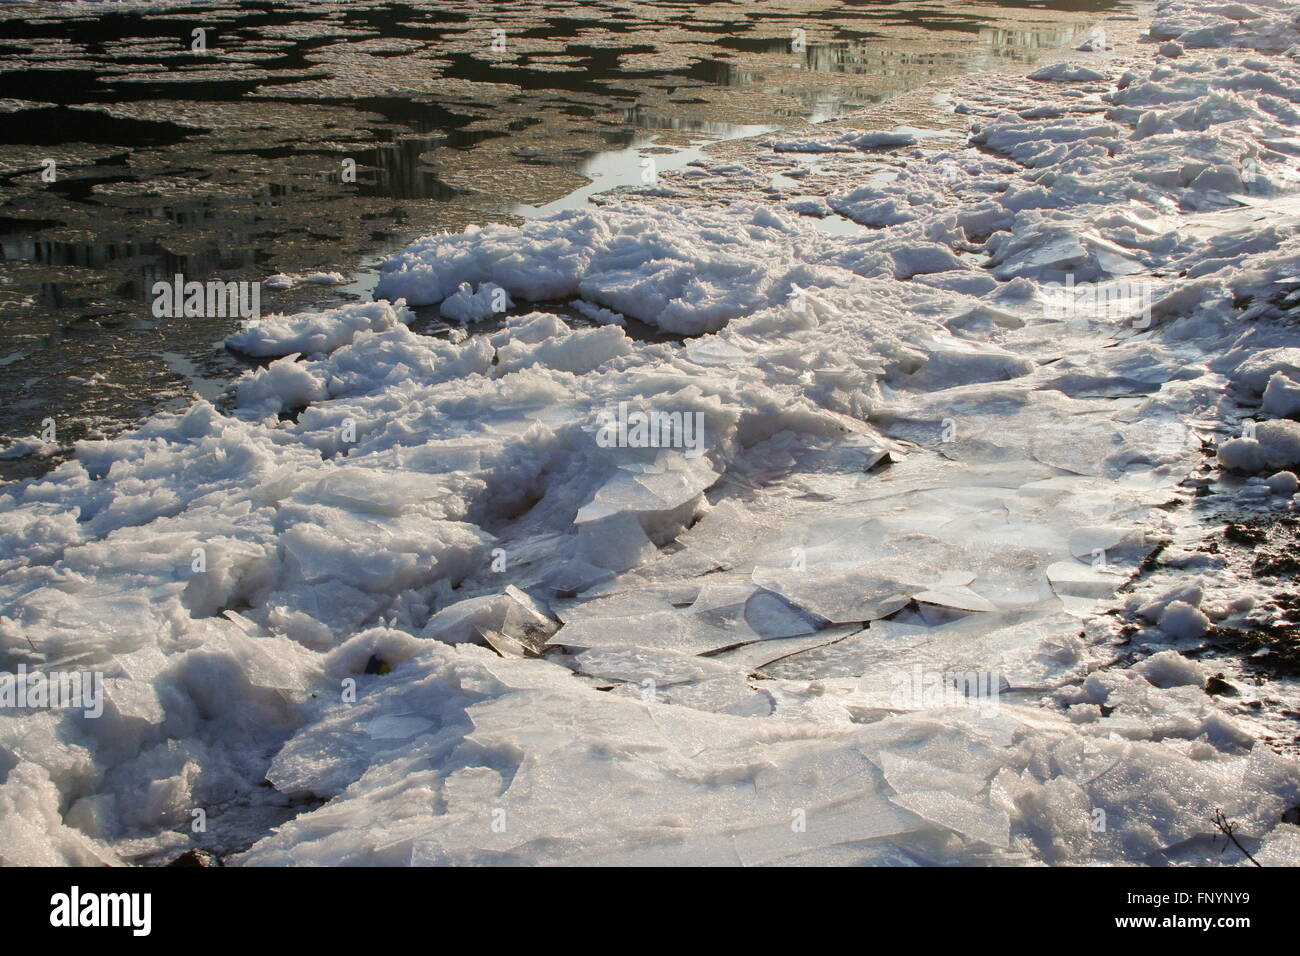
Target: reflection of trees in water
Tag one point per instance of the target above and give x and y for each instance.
(152, 263)
(998, 37)
(395, 170)
(643, 119)
(872, 57)
(865, 57)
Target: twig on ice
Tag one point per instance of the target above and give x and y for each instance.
(1226, 827)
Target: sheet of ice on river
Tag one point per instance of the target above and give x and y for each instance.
(1029, 425)
(719, 617)
(490, 778)
(666, 482)
(1039, 548)
(752, 657)
(731, 694)
(865, 570)
(666, 774)
(631, 664)
(973, 545)
(1023, 648)
(968, 556)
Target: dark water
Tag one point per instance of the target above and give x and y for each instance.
(226, 164)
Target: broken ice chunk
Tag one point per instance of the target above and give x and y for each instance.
(1074, 579)
(1051, 252)
(467, 305)
(766, 614)
(961, 598)
(636, 664)
(1066, 73)
(948, 810)
(838, 597)
(671, 482)
(396, 726)
(511, 613)
(616, 542)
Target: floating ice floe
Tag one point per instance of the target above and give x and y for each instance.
(309, 333)
(1067, 73)
(469, 305)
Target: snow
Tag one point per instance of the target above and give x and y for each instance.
(1284, 483)
(1281, 397)
(1241, 454)
(1279, 443)
(33, 446)
(282, 281)
(469, 305)
(1182, 620)
(312, 333)
(412, 583)
(845, 142)
(1067, 73)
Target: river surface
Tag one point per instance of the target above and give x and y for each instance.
(229, 161)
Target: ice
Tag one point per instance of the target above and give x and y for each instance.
(844, 142)
(837, 598)
(1051, 253)
(1076, 579)
(434, 588)
(662, 487)
(511, 613)
(1283, 483)
(971, 820)
(310, 333)
(1169, 668)
(282, 281)
(1281, 397)
(1263, 27)
(1182, 620)
(467, 304)
(636, 664)
(1066, 73)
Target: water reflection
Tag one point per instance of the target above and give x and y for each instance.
(900, 68)
(139, 264)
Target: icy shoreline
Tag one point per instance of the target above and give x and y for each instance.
(409, 584)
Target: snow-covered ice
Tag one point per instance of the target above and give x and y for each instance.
(840, 557)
